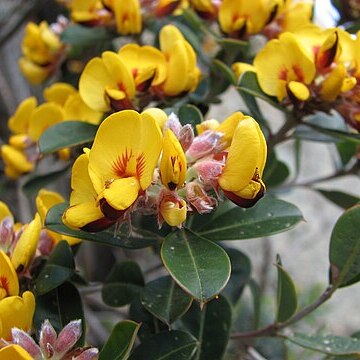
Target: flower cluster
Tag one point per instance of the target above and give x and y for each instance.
(151, 164)
(311, 69)
(136, 75)
(31, 120)
(51, 346)
(42, 51)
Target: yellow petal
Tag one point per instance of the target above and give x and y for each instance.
(16, 311)
(159, 115)
(127, 16)
(44, 116)
(331, 86)
(19, 141)
(299, 90)
(122, 193)
(45, 200)
(174, 213)
(246, 157)
(16, 159)
(173, 162)
(34, 73)
(210, 124)
(348, 84)
(26, 246)
(126, 144)
(9, 283)
(19, 122)
(5, 212)
(14, 352)
(59, 93)
(239, 68)
(228, 126)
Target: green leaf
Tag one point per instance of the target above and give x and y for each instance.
(276, 171)
(199, 266)
(233, 45)
(249, 84)
(190, 114)
(211, 326)
(340, 198)
(286, 294)
(346, 150)
(268, 217)
(123, 284)
(66, 134)
(225, 71)
(165, 300)
(169, 345)
(36, 182)
(345, 248)
(256, 299)
(59, 268)
(120, 342)
(85, 36)
(60, 306)
(327, 344)
(240, 274)
(138, 239)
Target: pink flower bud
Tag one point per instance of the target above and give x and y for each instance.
(209, 171)
(204, 145)
(6, 233)
(199, 199)
(186, 136)
(88, 354)
(68, 337)
(173, 123)
(21, 338)
(47, 338)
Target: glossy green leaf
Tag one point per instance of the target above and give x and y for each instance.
(240, 274)
(66, 134)
(36, 182)
(233, 45)
(150, 325)
(168, 345)
(199, 266)
(85, 36)
(339, 198)
(286, 294)
(211, 326)
(190, 114)
(123, 284)
(138, 239)
(268, 217)
(276, 171)
(249, 84)
(346, 150)
(60, 306)
(165, 299)
(327, 344)
(345, 248)
(59, 268)
(120, 342)
(225, 71)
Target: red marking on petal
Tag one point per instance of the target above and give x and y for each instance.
(298, 72)
(140, 165)
(120, 165)
(4, 283)
(283, 74)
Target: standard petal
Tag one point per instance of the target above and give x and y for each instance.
(9, 283)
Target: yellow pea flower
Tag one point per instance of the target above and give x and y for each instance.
(210, 124)
(241, 177)
(237, 17)
(206, 8)
(16, 311)
(182, 71)
(228, 126)
(127, 15)
(158, 114)
(9, 283)
(44, 201)
(35, 74)
(173, 162)
(25, 248)
(84, 211)
(16, 162)
(14, 352)
(239, 68)
(58, 93)
(166, 7)
(282, 61)
(173, 211)
(146, 63)
(19, 122)
(89, 12)
(107, 83)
